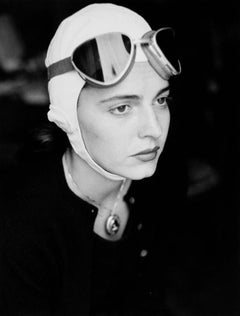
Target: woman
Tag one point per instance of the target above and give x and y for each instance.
(89, 238)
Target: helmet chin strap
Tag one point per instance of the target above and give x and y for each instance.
(103, 172)
(81, 150)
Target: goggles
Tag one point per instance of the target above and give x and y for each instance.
(106, 59)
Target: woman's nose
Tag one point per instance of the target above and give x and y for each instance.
(150, 124)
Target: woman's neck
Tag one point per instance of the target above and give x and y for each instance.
(91, 183)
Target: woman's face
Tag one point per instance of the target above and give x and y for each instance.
(124, 127)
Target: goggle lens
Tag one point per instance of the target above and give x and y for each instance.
(166, 41)
(104, 58)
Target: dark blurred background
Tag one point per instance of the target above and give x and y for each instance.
(207, 107)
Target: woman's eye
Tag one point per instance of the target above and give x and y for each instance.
(163, 101)
(121, 109)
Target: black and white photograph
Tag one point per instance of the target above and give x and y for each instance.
(119, 158)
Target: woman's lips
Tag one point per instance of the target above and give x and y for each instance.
(147, 155)
(148, 151)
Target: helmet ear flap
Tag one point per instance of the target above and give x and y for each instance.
(64, 91)
(58, 117)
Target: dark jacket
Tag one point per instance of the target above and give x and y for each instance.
(47, 246)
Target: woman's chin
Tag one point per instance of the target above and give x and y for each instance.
(141, 172)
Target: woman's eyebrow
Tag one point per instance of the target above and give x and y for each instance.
(130, 96)
(167, 88)
(121, 97)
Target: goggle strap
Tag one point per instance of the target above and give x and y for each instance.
(60, 67)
